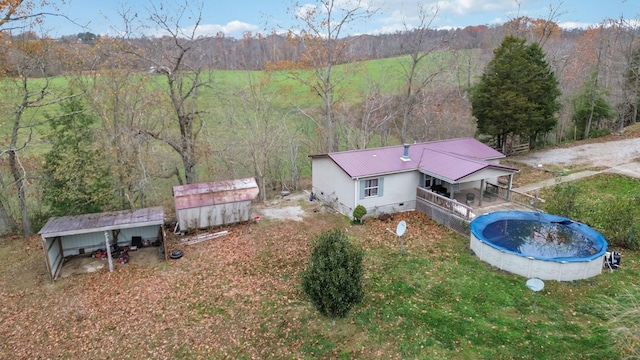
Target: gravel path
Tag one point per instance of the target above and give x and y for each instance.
(608, 154)
(622, 157)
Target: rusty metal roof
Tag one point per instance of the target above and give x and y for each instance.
(214, 193)
(82, 224)
(448, 159)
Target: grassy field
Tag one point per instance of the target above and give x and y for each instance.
(388, 72)
(239, 297)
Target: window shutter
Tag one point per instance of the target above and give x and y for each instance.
(362, 185)
(422, 180)
(380, 186)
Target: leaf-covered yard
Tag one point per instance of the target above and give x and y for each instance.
(239, 296)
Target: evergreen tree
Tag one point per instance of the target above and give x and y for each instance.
(632, 82)
(333, 278)
(591, 106)
(76, 178)
(517, 94)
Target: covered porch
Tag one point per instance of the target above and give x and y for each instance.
(474, 201)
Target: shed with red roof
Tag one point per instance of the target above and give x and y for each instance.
(204, 205)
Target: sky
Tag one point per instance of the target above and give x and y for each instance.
(235, 17)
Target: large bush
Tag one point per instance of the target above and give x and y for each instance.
(616, 218)
(333, 278)
(562, 200)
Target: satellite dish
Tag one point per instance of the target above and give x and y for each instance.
(402, 227)
(535, 285)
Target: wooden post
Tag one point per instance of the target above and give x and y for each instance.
(106, 241)
(509, 187)
(164, 243)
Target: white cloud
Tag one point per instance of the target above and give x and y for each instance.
(306, 11)
(233, 28)
(568, 25)
(448, 13)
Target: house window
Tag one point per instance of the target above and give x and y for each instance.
(371, 188)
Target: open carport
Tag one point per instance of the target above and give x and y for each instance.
(83, 234)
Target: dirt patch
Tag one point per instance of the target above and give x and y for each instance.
(606, 154)
(285, 213)
(291, 207)
(75, 265)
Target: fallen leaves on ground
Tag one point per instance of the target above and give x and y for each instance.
(238, 294)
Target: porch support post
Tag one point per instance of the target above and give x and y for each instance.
(509, 187)
(481, 192)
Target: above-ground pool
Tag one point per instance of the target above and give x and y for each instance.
(538, 245)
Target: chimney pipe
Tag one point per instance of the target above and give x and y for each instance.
(405, 154)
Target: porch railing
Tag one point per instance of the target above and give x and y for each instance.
(450, 205)
(515, 196)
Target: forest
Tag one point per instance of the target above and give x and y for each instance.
(96, 123)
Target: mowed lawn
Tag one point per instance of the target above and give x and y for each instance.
(239, 296)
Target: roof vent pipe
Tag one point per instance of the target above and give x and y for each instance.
(405, 154)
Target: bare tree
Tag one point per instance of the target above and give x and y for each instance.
(255, 127)
(368, 118)
(325, 45)
(29, 59)
(19, 14)
(176, 59)
(417, 71)
(121, 100)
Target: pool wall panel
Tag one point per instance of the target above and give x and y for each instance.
(530, 267)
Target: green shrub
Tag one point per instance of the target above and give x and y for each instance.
(333, 278)
(562, 200)
(596, 133)
(358, 213)
(617, 220)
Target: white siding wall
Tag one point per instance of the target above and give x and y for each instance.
(89, 242)
(398, 194)
(491, 175)
(469, 185)
(72, 244)
(146, 233)
(332, 185)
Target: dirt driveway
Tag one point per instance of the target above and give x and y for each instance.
(620, 156)
(606, 154)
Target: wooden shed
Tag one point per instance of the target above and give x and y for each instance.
(203, 205)
(83, 234)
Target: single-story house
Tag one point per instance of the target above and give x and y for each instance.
(82, 234)
(203, 205)
(385, 180)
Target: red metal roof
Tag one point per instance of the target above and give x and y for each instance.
(449, 159)
(213, 193)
